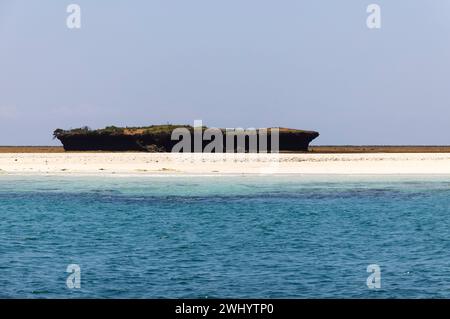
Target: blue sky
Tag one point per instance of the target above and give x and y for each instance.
(236, 63)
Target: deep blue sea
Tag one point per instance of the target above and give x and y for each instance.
(235, 236)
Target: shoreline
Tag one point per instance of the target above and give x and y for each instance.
(164, 164)
(321, 149)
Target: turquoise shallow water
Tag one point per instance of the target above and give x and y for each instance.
(206, 237)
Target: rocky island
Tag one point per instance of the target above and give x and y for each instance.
(165, 138)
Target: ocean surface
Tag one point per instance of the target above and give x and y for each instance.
(234, 236)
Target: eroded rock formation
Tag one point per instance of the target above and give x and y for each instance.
(158, 138)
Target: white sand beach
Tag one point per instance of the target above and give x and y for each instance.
(219, 164)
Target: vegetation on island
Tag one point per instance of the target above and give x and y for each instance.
(114, 130)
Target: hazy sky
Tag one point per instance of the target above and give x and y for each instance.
(232, 63)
